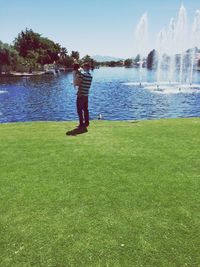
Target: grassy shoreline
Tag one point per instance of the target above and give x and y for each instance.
(122, 194)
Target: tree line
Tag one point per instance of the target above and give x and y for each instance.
(30, 51)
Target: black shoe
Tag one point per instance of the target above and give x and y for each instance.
(80, 126)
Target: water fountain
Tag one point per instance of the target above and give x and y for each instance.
(175, 60)
(195, 40)
(141, 40)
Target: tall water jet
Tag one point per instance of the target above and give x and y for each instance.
(141, 39)
(171, 52)
(195, 41)
(161, 39)
(181, 39)
(175, 53)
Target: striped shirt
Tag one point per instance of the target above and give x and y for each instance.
(86, 80)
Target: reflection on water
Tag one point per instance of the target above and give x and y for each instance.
(53, 98)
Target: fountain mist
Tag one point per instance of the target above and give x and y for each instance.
(141, 39)
(176, 49)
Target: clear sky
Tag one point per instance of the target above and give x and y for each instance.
(104, 27)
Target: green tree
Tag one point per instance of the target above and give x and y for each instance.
(30, 50)
(5, 57)
(41, 49)
(27, 41)
(128, 62)
(44, 57)
(16, 60)
(10, 58)
(50, 48)
(63, 52)
(137, 59)
(151, 59)
(198, 63)
(75, 55)
(86, 58)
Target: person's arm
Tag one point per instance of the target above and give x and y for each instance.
(78, 78)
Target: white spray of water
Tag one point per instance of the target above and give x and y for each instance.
(181, 39)
(170, 51)
(175, 46)
(141, 39)
(161, 42)
(195, 41)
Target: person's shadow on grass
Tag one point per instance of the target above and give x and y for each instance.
(77, 131)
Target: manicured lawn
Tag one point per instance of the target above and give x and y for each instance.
(122, 194)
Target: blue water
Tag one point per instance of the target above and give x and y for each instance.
(49, 98)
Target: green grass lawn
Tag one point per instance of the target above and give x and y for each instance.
(122, 194)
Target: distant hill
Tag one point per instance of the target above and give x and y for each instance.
(100, 58)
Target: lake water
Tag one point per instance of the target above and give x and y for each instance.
(49, 98)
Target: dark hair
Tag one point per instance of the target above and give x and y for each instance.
(86, 64)
(76, 66)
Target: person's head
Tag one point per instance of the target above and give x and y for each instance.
(76, 66)
(86, 66)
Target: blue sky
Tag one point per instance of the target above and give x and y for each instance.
(104, 27)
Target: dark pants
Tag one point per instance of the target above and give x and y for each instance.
(82, 110)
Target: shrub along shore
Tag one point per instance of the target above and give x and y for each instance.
(122, 194)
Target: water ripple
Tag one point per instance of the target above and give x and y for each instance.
(54, 98)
